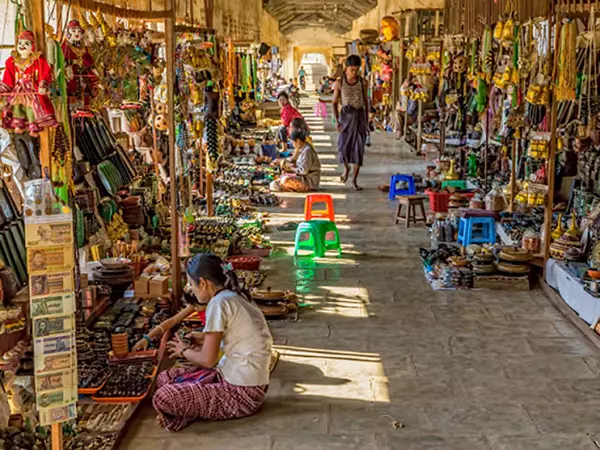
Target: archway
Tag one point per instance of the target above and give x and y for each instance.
(316, 63)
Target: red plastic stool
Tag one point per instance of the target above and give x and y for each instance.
(313, 199)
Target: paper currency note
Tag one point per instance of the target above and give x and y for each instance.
(54, 399)
(50, 306)
(53, 363)
(57, 415)
(53, 344)
(56, 380)
(44, 234)
(48, 326)
(52, 258)
(52, 283)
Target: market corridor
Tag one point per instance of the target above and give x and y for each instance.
(380, 361)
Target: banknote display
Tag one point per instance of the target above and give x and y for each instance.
(45, 234)
(52, 363)
(53, 344)
(53, 305)
(48, 326)
(57, 415)
(53, 258)
(51, 284)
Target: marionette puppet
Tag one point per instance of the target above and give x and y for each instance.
(82, 79)
(25, 87)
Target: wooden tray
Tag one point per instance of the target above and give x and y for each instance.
(93, 391)
(123, 399)
(501, 282)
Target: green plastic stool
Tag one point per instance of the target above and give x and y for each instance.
(314, 241)
(317, 241)
(325, 227)
(458, 184)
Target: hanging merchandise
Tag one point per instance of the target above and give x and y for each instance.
(389, 29)
(26, 84)
(82, 80)
(567, 62)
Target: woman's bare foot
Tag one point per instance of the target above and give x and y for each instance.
(344, 176)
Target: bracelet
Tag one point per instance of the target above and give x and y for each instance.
(161, 328)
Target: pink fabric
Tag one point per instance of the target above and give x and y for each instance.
(210, 398)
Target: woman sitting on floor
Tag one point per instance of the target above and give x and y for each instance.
(232, 387)
(304, 173)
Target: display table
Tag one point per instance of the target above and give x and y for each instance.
(572, 291)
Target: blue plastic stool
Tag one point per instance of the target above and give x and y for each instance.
(466, 236)
(395, 191)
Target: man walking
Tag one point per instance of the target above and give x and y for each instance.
(350, 92)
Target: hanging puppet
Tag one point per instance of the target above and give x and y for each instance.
(82, 80)
(27, 81)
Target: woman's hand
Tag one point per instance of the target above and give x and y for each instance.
(141, 345)
(176, 347)
(197, 338)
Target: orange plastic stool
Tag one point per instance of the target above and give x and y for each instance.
(312, 200)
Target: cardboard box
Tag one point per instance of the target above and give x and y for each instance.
(159, 285)
(141, 286)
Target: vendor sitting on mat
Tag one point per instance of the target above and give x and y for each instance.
(288, 113)
(232, 387)
(305, 174)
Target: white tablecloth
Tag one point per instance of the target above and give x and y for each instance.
(572, 291)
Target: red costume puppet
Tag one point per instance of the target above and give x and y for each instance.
(26, 80)
(82, 80)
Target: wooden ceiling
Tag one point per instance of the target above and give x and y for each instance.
(332, 15)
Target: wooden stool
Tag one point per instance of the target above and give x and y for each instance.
(411, 202)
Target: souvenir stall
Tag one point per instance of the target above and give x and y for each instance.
(497, 102)
(100, 116)
(572, 250)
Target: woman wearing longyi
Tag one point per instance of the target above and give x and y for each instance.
(215, 389)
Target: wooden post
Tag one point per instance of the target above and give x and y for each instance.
(175, 261)
(201, 168)
(57, 436)
(513, 174)
(406, 110)
(442, 104)
(551, 169)
(209, 191)
(37, 12)
(420, 111)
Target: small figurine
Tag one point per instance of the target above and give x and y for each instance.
(27, 77)
(82, 80)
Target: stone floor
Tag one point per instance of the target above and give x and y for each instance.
(380, 361)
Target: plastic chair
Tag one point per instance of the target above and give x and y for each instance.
(326, 229)
(319, 241)
(395, 191)
(312, 200)
(313, 243)
(466, 235)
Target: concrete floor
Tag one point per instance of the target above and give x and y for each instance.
(378, 348)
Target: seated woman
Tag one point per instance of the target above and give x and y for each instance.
(237, 385)
(304, 172)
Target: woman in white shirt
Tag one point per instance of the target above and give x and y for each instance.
(216, 389)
